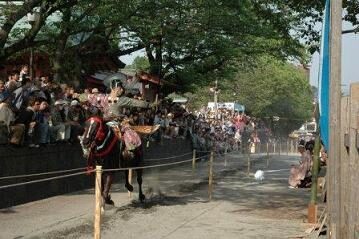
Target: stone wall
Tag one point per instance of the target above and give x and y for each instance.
(20, 161)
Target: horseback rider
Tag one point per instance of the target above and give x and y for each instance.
(117, 100)
(112, 109)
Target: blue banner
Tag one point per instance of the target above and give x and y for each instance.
(324, 78)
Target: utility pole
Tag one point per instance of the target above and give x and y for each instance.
(216, 100)
(334, 120)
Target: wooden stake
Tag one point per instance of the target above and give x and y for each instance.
(98, 203)
(225, 156)
(210, 176)
(130, 182)
(274, 148)
(267, 155)
(334, 118)
(312, 207)
(194, 160)
(248, 164)
(287, 147)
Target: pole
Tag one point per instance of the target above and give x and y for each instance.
(31, 63)
(312, 207)
(248, 163)
(287, 146)
(98, 203)
(130, 182)
(335, 117)
(210, 176)
(194, 160)
(280, 147)
(225, 155)
(156, 102)
(216, 100)
(267, 154)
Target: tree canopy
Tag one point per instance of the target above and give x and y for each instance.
(176, 35)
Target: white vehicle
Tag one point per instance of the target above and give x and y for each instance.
(227, 105)
(307, 129)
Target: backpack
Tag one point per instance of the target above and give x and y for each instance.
(131, 138)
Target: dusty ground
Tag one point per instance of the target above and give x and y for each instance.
(177, 207)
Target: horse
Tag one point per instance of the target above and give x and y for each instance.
(104, 145)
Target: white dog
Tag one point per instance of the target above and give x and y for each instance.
(259, 175)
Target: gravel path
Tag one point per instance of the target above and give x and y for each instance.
(177, 206)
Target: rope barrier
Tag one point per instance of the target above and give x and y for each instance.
(76, 169)
(44, 180)
(41, 174)
(152, 166)
(106, 170)
(172, 157)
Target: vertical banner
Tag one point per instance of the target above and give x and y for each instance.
(324, 78)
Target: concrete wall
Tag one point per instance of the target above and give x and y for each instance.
(18, 161)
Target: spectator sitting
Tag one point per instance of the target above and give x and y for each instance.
(59, 122)
(76, 118)
(11, 131)
(42, 124)
(27, 117)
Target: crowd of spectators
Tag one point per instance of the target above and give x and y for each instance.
(39, 112)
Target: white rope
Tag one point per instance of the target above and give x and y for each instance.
(172, 157)
(43, 180)
(105, 170)
(152, 166)
(41, 174)
(77, 169)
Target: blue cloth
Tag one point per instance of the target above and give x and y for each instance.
(324, 78)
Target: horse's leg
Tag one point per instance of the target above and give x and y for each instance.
(128, 185)
(141, 196)
(108, 178)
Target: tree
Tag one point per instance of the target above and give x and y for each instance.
(140, 63)
(269, 88)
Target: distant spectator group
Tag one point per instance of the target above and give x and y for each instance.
(39, 112)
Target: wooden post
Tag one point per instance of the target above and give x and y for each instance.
(334, 117)
(345, 187)
(248, 163)
(353, 174)
(312, 207)
(98, 203)
(225, 156)
(210, 176)
(156, 102)
(280, 147)
(130, 182)
(287, 146)
(274, 144)
(194, 160)
(267, 154)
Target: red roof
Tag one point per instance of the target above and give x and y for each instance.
(146, 77)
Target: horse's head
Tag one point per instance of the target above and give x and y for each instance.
(94, 132)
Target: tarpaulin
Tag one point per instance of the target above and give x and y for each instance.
(324, 78)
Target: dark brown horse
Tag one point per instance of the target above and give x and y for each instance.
(104, 145)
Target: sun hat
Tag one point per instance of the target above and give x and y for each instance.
(59, 102)
(74, 103)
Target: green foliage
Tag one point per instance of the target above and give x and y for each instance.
(140, 63)
(269, 88)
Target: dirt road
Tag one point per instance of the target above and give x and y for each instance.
(177, 206)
